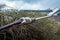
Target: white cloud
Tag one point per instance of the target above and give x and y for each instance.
(23, 5)
(31, 6)
(10, 4)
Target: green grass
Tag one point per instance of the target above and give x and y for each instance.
(44, 29)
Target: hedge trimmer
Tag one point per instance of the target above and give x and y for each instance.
(28, 20)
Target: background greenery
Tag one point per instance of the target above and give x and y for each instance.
(44, 29)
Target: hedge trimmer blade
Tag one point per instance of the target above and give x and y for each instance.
(28, 20)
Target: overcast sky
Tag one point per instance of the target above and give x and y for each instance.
(31, 4)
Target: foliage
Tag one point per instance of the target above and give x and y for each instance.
(44, 29)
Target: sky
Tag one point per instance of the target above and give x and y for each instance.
(31, 4)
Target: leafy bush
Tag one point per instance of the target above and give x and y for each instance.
(44, 29)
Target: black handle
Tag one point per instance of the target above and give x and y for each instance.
(11, 24)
